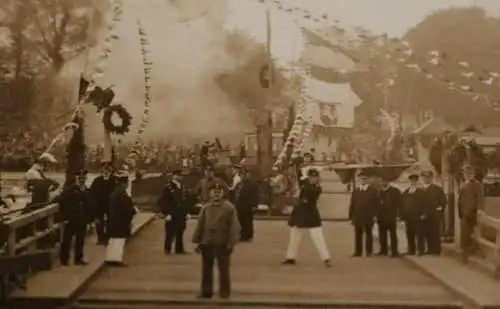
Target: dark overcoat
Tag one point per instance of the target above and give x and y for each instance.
(101, 190)
(305, 213)
(174, 202)
(413, 205)
(121, 213)
(390, 205)
(364, 205)
(75, 206)
(433, 198)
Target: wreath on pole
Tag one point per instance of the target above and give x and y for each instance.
(117, 111)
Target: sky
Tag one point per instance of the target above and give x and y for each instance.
(393, 17)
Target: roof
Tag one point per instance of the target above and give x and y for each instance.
(434, 126)
(329, 93)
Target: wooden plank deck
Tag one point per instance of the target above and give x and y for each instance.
(153, 277)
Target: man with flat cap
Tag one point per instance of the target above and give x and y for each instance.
(216, 234)
(412, 213)
(470, 200)
(174, 205)
(75, 211)
(121, 213)
(364, 205)
(101, 189)
(434, 200)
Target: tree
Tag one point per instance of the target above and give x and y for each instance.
(413, 93)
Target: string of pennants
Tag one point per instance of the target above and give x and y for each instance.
(433, 65)
(147, 66)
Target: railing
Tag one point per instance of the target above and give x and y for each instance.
(26, 243)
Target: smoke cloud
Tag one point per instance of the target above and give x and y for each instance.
(187, 50)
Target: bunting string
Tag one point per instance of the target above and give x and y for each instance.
(147, 65)
(433, 65)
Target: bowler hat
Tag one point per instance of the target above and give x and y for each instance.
(312, 172)
(122, 176)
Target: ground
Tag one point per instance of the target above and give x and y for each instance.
(258, 276)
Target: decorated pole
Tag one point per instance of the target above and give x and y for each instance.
(264, 119)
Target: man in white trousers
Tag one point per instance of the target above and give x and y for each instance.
(305, 216)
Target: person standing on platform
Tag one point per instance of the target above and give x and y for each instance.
(387, 217)
(75, 210)
(434, 200)
(305, 215)
(470, 199)
(413, 216)
(364, 205)
(121, 213)
(101, 189)
(40, 187)
(204, 185)
(246, 200)
(216, 234)
(174, 207)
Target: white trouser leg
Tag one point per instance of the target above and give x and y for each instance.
(319, 242)
(293, 243)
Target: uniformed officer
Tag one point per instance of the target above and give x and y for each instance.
(305, 216)
(246, 200)
(101, 189)
(434, 200)
(74, 203)
(364, 205)
(470, 200)
(174, 206)
(413, 215)
(216, 234)
(387, 216)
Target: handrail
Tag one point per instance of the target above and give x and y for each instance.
(487, 238)
(27, 229)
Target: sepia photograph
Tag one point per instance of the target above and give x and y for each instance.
(249, 154)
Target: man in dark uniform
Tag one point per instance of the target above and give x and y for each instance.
(413, 214)
(388, 214)
(470, 200)
(74, 203)
(101, 189)
(434, 200)
(364, 205)
(175, 208)
(246, 198)
(216, 234)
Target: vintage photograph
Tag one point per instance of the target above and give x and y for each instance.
(249, 154)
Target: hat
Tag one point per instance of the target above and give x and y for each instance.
(81, 173)
(177, 172)
(468, 169)
(413, 176)
(312, 172)
(107, 165)
(217, 185)
(122, 176)
(427, 173)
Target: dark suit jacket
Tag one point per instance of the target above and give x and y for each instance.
(433, 198)
(174, 202)
(470, 200)
(390, 205)
(364, 205)
(413, 205)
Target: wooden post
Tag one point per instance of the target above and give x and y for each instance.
(264, 119)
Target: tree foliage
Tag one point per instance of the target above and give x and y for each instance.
(38, 38)
(462, 34)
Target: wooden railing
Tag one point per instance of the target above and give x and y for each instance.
(26, 243)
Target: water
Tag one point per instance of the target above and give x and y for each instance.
(15, 182)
